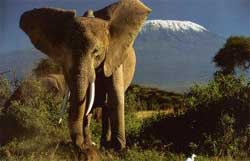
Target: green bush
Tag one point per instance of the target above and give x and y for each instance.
(38, 107)
(216, 122)
(133, 127)
(31, 125)
(225, 115)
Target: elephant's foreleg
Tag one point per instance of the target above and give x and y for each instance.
(116, 103)
(106, 128)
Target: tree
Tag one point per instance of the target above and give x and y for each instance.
(234, 54)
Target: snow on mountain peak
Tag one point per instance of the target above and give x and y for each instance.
(174, 25)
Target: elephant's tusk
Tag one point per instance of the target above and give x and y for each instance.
(92, 97)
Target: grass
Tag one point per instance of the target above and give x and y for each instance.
(151, 113)
(44, 147)
(133, 154)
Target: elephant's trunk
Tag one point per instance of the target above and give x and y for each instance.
(77, 110)
(79, 82)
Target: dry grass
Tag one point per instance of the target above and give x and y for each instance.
(148, 114)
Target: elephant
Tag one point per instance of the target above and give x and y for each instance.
(54, 83)
(97, 56)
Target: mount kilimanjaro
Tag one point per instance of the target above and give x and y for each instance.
(175, 54)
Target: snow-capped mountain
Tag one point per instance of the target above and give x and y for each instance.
(174, 54)
(176, 34)
(171, 25)
(170, 55)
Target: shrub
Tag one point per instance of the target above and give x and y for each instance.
(133, 127)
(216, 122)
(226, 95)
(33, 122)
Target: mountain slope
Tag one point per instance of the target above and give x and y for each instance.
(20, 61)
(175, 54)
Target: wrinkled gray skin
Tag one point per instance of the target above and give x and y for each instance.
(90, 49)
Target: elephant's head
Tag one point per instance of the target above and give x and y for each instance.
(83, 44)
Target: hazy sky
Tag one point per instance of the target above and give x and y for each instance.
(222, 17)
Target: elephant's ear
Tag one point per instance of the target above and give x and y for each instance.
(125, 21)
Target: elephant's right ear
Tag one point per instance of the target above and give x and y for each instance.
(125, 18)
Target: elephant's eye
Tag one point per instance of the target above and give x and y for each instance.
(95, 52)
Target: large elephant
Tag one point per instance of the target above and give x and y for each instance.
(97, 55)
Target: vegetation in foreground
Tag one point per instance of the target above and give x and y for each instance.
(213, 122)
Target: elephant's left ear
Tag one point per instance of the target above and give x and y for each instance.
(126, 19)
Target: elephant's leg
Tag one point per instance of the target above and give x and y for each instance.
(116, 112)
(106, 128)
(87, 130)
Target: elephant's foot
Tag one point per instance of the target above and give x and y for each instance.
(105, 144)
(106, 140)
(118, 144)
(77, 141)
(114, 144)
(83, 153)
(87, 141)
(89, 153)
